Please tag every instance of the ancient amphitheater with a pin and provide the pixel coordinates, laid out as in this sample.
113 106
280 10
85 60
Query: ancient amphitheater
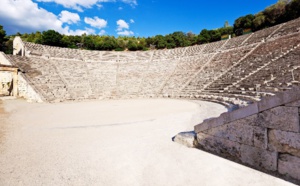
255 76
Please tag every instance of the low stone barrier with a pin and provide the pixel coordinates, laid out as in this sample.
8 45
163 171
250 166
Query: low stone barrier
264 135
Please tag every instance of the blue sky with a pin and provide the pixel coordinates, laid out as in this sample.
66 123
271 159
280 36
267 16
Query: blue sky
122 17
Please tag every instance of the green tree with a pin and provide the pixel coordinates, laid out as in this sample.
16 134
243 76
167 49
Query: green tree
88 42
8 45
24 36
38 38
243 23
192 38
75 41
132 45
121 44
30 37
66 42
259 22
108 43
170 42
204 36
150 41
52 38
292 10
160 42
214 35
225 30
142 44
180 39
275 14
2 37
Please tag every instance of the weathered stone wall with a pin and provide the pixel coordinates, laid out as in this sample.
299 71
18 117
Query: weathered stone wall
18 46
264 135
5 82
26 91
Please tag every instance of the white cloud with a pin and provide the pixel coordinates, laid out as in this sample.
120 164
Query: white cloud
80 32
96 22
102 32
25 16
90 31
122 25
80 4
125 33
123 28
99 6
133 3
120 8
68 17
106 1
73 4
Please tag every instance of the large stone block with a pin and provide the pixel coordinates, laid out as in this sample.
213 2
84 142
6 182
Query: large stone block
259 158
203 126
260 137
293 104
291 95
271 102
186 138
244 112
250 120
239 131
281 118
289 165
210 123
222 147
285 142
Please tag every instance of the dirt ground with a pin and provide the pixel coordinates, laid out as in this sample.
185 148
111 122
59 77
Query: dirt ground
3 116
119 142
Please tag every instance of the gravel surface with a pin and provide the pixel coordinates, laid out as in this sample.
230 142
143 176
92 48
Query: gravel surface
119 142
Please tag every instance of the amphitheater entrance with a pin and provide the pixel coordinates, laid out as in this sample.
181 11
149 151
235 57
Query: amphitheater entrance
8 80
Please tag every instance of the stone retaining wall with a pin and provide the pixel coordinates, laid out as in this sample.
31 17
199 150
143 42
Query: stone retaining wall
5 82
26 91
264 135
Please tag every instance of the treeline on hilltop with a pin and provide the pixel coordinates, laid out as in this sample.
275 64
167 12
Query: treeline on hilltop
282 11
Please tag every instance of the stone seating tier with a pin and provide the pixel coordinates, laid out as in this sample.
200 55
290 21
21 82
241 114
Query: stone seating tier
266 52
218 65
236 41
241 63
288 28
262 34
277 73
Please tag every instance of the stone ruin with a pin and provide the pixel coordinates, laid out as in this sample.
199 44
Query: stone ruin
8 80
258 73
